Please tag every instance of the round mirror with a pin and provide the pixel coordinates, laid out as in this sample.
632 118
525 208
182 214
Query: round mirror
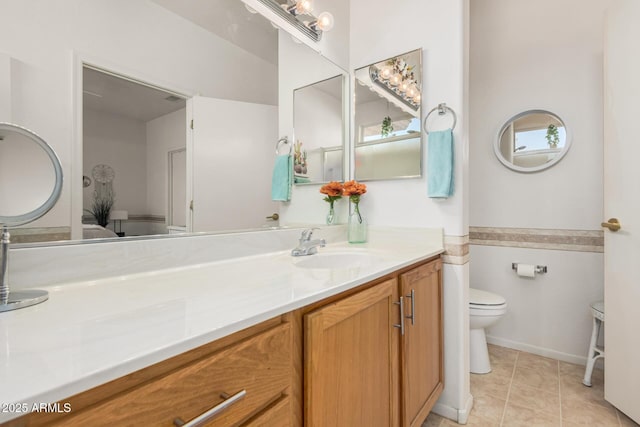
30 176
30 184
532 141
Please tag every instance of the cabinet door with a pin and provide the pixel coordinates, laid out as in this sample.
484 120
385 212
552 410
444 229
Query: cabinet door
351 360
421 355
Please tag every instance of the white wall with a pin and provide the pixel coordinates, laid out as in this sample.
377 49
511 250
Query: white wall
5 88
120 143
163 134
546 55
136 36
318 124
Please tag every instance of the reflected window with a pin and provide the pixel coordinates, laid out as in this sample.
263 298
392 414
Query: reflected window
400 127
532 141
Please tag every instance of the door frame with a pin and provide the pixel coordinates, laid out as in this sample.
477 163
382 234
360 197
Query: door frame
170 154
80 60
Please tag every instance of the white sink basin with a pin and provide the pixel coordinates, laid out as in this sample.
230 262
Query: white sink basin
337 260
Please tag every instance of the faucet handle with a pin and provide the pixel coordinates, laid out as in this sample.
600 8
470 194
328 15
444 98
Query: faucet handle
307 233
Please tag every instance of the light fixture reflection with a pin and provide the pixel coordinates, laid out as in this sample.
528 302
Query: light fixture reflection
397 77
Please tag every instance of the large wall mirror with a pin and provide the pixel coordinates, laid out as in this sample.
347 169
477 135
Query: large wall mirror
202 97
388 136
532 141
319 131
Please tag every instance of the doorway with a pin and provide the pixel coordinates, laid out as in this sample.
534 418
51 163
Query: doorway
129 128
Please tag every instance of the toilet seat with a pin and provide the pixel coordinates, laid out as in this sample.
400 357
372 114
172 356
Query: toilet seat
479 299
483 303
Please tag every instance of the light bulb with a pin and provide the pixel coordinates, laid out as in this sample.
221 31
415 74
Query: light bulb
404 86
395 79
412 91
325 21
385 73
303 7
417 98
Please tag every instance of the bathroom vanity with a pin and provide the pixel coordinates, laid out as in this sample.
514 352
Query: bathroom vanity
291 343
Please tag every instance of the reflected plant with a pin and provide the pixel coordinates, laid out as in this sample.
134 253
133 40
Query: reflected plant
387 127
101 207
552 136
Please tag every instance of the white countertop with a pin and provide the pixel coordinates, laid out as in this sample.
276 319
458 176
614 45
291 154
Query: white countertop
91 332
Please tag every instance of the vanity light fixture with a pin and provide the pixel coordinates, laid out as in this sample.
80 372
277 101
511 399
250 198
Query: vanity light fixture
295 12
398 79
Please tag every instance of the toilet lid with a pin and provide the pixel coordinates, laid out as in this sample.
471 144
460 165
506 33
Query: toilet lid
478 297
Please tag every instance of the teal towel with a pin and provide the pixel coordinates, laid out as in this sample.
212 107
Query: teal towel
282 178
440 164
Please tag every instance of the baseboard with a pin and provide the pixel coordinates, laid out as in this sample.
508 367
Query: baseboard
458 415
540 351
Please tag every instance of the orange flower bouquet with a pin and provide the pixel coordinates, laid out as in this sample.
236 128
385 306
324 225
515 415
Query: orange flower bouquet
357 226
333 191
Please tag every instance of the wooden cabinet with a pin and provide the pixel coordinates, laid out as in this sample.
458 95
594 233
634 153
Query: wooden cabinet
422 342
365 365
351 360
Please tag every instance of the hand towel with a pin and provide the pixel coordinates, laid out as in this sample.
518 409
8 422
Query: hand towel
440 164
282 178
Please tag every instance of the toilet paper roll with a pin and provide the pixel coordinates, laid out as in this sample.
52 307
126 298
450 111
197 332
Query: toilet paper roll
526 270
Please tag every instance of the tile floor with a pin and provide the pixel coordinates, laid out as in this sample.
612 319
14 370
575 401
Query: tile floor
528 390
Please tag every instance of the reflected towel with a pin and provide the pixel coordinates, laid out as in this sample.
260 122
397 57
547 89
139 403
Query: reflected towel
440 164
282 178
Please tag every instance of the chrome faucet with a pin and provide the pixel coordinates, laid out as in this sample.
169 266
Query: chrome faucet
306 246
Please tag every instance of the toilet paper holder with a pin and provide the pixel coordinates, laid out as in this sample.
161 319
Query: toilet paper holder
539 268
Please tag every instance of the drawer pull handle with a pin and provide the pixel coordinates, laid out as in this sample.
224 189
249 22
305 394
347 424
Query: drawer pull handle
402 316
412 295
206 416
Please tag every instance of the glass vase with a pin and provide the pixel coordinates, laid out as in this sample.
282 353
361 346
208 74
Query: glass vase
331 216
357 231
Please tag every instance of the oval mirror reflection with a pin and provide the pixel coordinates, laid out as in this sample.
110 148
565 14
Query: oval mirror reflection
532 141
28 176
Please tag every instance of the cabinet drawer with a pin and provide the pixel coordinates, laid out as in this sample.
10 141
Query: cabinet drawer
277 415
261 365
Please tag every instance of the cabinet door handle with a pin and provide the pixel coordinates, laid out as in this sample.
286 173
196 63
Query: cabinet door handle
412 295
206 416
401 325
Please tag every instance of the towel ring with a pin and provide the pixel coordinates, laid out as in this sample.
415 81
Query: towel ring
282 140
442 110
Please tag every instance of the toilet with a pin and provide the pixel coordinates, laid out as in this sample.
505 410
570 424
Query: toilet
485 309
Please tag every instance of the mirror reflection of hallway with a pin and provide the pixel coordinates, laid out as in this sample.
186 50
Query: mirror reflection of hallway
129 129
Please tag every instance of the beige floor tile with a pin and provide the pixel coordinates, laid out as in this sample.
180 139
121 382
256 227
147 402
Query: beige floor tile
538 363
571 370
536 399
502 356
519 416
487 411
581 413
626 421
544 380
501 370
572 389
490 385
435 420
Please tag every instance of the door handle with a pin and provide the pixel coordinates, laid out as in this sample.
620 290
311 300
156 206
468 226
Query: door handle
274 217
613 224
